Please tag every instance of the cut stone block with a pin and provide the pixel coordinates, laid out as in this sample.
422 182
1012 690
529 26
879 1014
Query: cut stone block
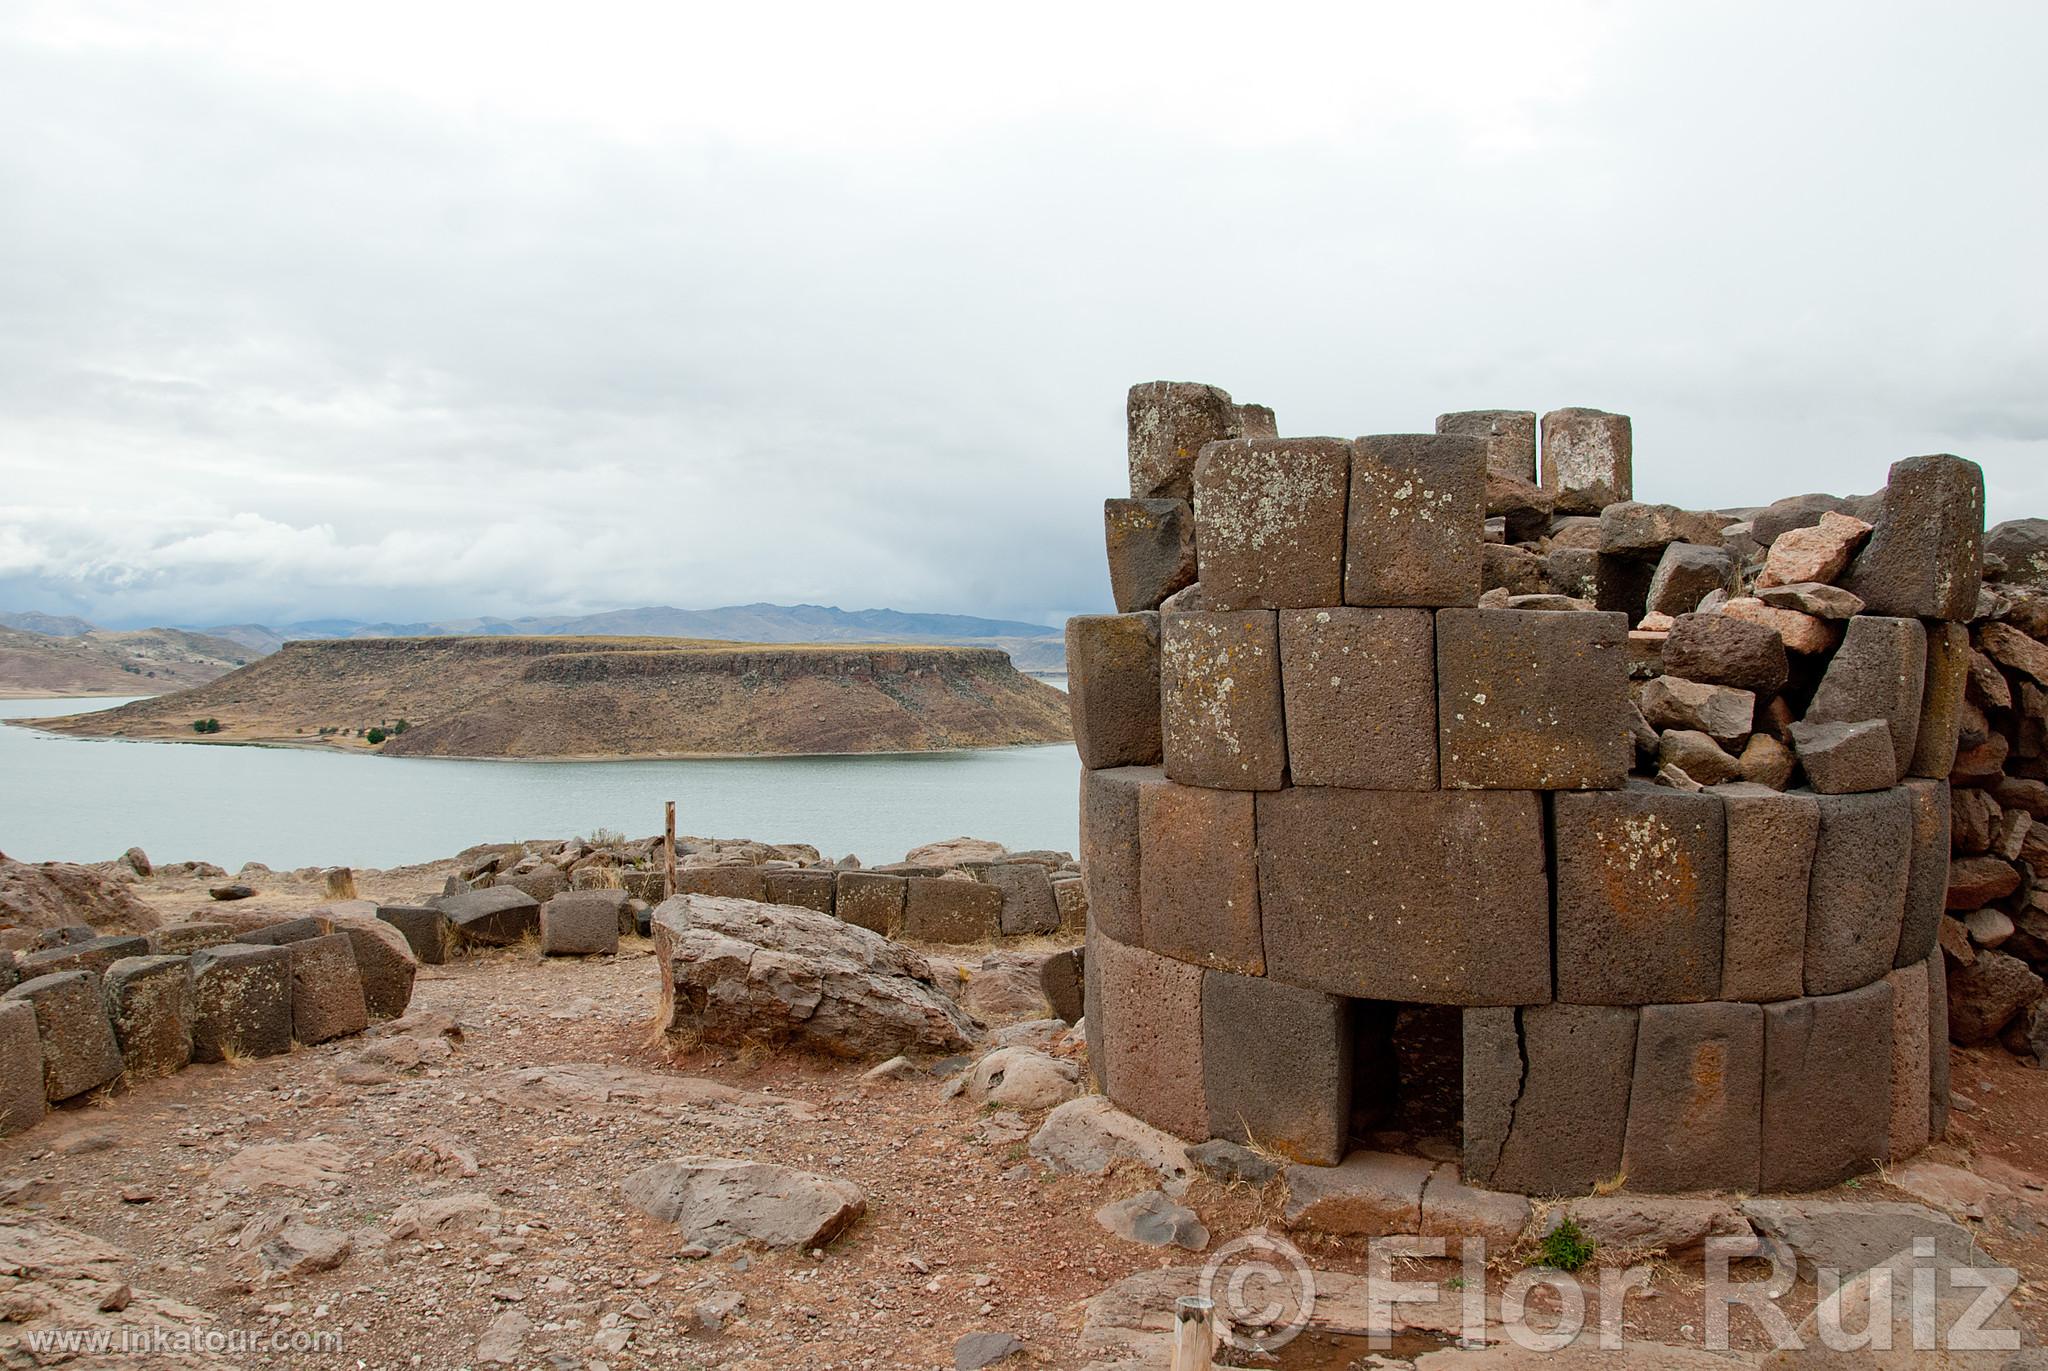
1169 423
22 1099
1727 651
1925 557
1846 759
498 917
1827 1088
244 997
1418 502
94 955
800 889
581 923
937 910
151 1006
1459 1213
1063 979
387 966
731 882
1588 459
1257 421
79 1052
1270 519
1510 436
175 940
1151 550
1546 1096
1695 1111
1109 848
1642 532
1370 1195
1420 898
1198 884
1941 703
1276 1063
327 989
1532 701
1686 575
1937 1047
1927 870
874 901
1640 899
1029 909
1910 1083
1360 697
1151 1036
1113 688
277 934
1072 898
1879 672
1771 842
1220 708
1858 894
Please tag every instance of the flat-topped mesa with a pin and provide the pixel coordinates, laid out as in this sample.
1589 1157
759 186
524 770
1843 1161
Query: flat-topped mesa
1602 839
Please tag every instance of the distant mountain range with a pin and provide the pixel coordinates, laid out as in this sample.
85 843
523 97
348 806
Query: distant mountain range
95 661
1032 647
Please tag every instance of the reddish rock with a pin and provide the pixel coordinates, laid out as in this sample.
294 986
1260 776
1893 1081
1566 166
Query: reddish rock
1113 688
1973 820
1532 701
1726 651
1417 503
1812 598
1360 697
1198 887
2010 647
1696 1107
1151 546
1767 762
1271 514
1819 553
1640 906
1983 765
1801 633
1974 882
1220 707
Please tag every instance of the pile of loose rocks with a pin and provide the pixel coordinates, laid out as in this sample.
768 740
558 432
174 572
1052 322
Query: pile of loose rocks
1436 800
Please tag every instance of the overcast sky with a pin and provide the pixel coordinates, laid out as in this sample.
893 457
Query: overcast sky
412 310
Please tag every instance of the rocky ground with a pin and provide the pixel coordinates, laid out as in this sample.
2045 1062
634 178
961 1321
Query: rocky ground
446 1192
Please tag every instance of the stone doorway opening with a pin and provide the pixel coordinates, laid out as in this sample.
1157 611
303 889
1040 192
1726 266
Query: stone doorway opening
1407 1077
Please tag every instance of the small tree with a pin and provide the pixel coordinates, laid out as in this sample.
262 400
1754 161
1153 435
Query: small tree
400 727
206 725
376 736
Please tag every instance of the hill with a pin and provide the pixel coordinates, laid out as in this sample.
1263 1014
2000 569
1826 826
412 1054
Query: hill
605 697
101 661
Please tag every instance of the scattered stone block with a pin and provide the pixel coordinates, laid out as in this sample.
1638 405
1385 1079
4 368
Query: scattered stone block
1640 898
1878 673
1113 688
1767 762
938 910
1369 1195
1420 898
1360 697
278 933
94 955
1827 1088
79 1052
1276 1063
1220 700
1643 532
1510 436
1985 993
244 998
425 930
151 1006
1417 503
1813 599
1151 550
581 923
1926 871
1942 701
1858 893
1151 1008
1072 898
729 882
1686 574
1910 1079
542 880
1800 633
1727 651
1924 559
874 901
175 940
1588 459
720 1203
1546 1096
1814 554
22 1097
1511 570
1198 884
1063 979
1723 713
386 965
1153 1220
1169 423
1029 909
497 917
1698 756
327 989
804 889
1696 1108
1771 842
1846 759
1271 514
1110 850
1532 701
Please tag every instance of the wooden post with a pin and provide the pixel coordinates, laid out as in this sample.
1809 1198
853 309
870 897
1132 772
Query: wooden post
1194 1334
668 856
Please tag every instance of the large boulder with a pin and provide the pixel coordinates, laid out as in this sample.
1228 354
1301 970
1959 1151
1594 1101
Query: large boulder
58 894
720 1203
737 971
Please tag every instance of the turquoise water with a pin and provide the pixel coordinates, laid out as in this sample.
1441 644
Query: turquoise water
79 799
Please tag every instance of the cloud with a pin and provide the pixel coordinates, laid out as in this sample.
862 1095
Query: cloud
398 313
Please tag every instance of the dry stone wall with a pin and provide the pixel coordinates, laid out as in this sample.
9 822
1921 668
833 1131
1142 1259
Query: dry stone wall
1436 790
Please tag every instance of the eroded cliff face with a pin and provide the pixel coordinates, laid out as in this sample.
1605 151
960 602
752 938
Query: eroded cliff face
607 697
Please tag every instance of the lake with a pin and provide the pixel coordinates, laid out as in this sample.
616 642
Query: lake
80 799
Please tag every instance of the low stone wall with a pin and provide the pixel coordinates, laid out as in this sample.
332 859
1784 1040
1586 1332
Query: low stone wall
1377 846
